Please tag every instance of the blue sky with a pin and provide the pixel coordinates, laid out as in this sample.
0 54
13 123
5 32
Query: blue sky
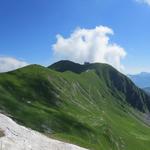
28 28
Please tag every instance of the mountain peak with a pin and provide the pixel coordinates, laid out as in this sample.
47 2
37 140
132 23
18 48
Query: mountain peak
67 65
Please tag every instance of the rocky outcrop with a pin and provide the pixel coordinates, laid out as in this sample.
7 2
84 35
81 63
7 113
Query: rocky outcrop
16 137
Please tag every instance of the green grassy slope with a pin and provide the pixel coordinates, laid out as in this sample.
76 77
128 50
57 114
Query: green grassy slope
92 105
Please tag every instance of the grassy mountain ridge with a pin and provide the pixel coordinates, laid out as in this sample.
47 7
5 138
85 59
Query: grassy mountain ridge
89 106
114 80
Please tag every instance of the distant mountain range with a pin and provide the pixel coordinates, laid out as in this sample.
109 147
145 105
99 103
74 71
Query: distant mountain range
147 90
142 80
91 105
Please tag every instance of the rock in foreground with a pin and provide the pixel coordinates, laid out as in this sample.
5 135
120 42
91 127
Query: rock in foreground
16 137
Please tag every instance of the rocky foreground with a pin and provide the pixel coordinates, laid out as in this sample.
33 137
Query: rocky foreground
16 137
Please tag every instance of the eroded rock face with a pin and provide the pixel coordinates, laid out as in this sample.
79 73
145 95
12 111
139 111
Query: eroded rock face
16 137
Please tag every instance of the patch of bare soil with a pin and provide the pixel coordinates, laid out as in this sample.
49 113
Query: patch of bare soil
1 133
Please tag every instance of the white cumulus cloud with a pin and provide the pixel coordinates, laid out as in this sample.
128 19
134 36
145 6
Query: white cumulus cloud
144 1
10 63
91 45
